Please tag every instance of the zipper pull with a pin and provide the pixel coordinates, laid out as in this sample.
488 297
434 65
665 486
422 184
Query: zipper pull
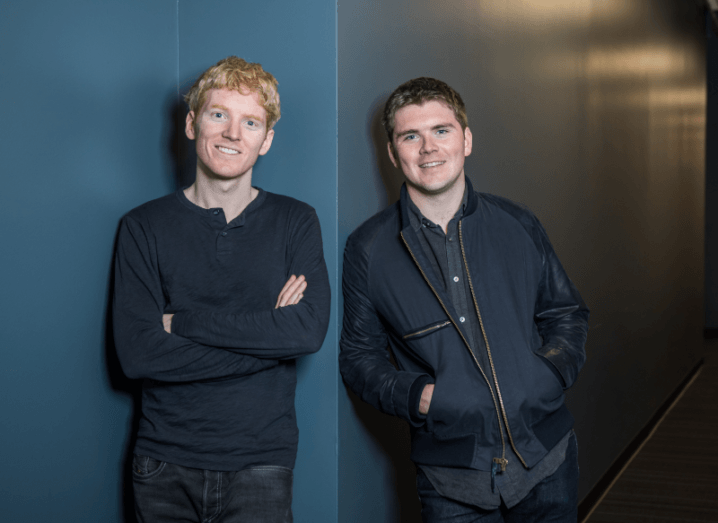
501 462
497 463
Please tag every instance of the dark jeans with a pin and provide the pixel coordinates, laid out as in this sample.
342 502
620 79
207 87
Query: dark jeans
553 500
170 493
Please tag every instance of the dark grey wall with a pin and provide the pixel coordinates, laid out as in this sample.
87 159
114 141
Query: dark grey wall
591 112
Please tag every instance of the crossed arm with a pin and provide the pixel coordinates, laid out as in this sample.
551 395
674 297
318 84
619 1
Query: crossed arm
291 294
146 350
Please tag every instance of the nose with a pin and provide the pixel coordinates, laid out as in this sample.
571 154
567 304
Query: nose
427 145
233 131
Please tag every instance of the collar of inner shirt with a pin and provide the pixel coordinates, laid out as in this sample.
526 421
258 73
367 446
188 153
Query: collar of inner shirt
416 219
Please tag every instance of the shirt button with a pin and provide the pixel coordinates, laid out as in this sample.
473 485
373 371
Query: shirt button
456 278
224 233
462 319
216 211
451 238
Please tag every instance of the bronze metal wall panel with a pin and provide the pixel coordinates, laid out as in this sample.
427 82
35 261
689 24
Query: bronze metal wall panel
592 113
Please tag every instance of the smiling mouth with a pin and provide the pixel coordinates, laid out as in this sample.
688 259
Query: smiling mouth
431 164
226 150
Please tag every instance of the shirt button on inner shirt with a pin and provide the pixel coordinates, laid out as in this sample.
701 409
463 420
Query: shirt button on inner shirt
216 211
462 319
224 233
456 278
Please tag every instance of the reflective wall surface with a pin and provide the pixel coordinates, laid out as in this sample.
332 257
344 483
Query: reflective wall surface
592 113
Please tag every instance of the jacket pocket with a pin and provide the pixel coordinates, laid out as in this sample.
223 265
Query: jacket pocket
553 383
426 330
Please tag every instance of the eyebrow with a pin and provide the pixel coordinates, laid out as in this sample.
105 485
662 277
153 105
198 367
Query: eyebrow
434 128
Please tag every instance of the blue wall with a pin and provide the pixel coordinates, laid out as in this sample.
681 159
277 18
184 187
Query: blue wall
85 88
91 96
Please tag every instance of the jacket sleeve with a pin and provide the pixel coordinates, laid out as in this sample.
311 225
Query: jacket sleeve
560 314
364 359
283 333
144 349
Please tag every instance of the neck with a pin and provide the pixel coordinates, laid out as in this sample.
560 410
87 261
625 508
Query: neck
439 208
232 196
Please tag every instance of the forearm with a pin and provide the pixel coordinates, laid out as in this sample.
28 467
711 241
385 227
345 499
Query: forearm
147 351
281 333
364 357
562 319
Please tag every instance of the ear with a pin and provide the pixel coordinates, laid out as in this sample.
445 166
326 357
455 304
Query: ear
267 142
189 125
468 141
390 147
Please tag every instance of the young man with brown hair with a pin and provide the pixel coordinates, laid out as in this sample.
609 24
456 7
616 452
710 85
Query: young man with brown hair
486 328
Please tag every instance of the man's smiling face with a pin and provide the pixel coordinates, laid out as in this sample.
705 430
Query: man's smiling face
429 146
231 133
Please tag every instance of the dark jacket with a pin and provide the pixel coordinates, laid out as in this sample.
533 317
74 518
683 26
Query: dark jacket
528 309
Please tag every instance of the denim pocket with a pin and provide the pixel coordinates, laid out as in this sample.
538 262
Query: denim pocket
145 467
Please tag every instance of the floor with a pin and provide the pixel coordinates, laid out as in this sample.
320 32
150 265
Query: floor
674 476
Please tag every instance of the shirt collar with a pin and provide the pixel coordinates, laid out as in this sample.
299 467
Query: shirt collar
416 219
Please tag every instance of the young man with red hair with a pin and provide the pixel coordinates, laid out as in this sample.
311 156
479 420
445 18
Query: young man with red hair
219 287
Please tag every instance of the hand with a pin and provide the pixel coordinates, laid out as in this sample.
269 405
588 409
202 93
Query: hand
167 322
426 396
292 292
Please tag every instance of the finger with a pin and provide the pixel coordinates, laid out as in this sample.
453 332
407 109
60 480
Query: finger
289 283
288 294
297 286
298 295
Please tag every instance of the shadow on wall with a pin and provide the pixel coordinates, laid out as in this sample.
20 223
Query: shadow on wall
391 435
182 148
122 385
390 175
183 160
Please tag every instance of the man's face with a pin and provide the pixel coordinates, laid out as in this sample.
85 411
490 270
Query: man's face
231 133
429 146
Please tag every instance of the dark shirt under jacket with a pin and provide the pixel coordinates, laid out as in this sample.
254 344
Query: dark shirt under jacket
468 485
218 393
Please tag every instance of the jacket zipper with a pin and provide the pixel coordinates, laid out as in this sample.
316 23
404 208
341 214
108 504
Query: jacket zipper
488 351
423 331
493 396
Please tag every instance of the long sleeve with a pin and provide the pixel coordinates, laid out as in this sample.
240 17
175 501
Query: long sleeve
283 333
145 350
560 315
364 359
